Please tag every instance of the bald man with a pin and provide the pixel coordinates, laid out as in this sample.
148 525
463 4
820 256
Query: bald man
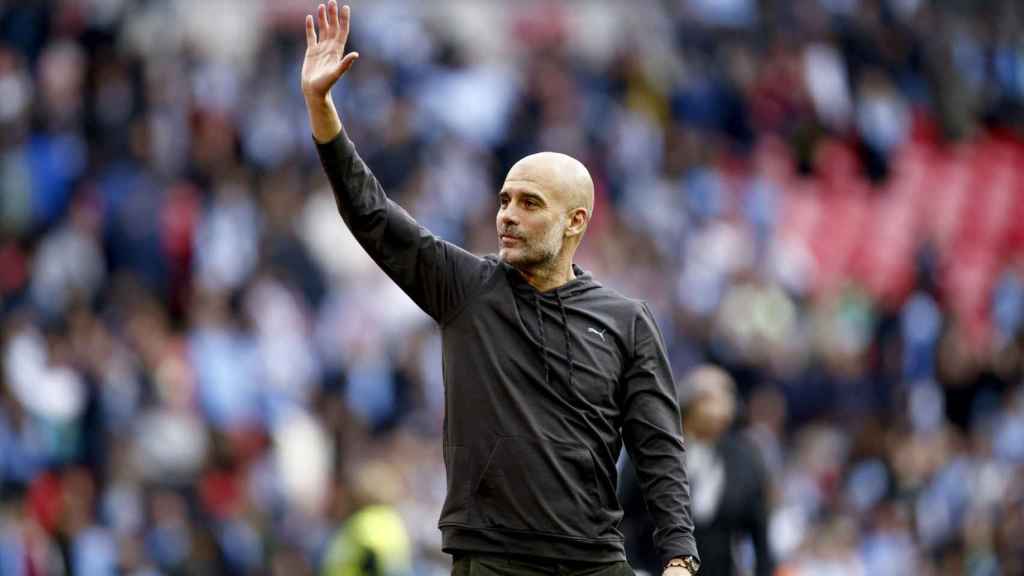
547 373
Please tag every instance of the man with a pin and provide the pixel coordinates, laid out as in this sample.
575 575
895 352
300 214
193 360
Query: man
728 480
546 371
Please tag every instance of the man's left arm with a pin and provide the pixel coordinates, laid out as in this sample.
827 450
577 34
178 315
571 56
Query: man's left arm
652 433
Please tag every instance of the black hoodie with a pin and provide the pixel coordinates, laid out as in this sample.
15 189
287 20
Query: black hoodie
541 390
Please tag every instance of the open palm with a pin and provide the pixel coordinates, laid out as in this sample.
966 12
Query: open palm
325 60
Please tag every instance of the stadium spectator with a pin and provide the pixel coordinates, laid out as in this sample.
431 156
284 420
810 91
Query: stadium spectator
860 279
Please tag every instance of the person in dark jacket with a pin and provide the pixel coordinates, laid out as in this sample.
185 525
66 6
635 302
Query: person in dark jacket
729 482
547 372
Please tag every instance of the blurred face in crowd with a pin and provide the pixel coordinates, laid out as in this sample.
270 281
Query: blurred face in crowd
544 207
712 405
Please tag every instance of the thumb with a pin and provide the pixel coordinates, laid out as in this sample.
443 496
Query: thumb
347 62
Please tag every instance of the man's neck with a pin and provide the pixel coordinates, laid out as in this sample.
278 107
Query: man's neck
548 278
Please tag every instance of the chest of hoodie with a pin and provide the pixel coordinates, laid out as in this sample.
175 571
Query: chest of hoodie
517 357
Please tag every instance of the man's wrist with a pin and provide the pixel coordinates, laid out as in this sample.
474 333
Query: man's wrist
323 117
314 99
691 564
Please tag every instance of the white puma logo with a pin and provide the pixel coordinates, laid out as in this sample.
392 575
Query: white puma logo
598 332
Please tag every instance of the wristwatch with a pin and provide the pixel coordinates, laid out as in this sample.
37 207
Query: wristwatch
688 562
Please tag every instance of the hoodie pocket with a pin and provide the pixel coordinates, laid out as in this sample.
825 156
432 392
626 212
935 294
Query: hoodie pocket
456 504
539 486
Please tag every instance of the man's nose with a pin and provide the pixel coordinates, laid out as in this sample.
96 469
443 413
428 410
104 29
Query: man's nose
508 216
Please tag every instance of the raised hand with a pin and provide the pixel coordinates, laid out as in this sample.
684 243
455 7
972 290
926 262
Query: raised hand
325 60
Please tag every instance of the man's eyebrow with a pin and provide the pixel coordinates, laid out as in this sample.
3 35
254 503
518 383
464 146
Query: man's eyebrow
522 192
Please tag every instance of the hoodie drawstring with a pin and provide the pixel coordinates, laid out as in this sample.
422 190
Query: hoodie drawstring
565 330
544 341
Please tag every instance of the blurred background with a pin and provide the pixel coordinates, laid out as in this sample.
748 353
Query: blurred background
203 374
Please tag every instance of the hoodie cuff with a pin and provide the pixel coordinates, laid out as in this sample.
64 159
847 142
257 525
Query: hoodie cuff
677 548
340 140
336 157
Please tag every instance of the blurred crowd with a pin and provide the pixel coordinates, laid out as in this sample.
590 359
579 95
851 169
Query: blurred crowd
202 373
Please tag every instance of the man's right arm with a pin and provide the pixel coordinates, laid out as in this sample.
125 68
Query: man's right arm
437 275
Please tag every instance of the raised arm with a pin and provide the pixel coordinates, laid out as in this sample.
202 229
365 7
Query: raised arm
437 275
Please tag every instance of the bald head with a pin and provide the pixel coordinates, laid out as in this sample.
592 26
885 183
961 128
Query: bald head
563 178
545 206
708 380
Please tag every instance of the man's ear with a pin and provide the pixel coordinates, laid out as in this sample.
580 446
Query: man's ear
577 222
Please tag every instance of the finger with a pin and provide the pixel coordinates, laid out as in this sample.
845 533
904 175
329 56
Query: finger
321 20
310 32
332 10
346 16
347 62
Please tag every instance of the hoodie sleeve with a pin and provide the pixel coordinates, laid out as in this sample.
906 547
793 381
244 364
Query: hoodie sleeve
436 274
652 433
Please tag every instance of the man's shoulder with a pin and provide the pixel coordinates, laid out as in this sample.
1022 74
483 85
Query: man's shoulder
615 303
633 315
618 300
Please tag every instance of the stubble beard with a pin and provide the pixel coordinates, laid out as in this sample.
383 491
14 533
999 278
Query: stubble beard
532 255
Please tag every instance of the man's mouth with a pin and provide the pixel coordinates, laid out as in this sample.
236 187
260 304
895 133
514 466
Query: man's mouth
509 239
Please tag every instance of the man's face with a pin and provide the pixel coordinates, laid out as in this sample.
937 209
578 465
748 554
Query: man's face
712 413
530 224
